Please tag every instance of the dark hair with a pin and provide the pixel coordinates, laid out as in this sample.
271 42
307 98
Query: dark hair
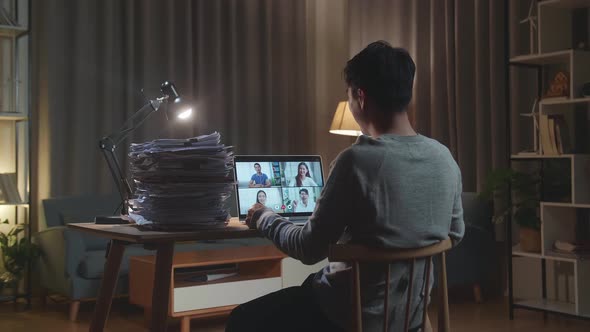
299 183
384 73
307 192
260 191
257 164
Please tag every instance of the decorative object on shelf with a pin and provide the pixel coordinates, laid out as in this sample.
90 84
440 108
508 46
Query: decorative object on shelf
17 255
175 106
343 122
6 18
531 19
524 204
586 89
558 87
571 247
8 189
534 114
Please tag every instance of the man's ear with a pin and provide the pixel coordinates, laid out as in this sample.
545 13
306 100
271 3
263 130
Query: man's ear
361 99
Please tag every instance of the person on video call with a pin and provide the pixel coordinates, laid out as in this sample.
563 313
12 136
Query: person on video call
261 197
302 179
304 204
259 179
393 188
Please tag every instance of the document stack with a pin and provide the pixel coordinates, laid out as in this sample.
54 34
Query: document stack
181 184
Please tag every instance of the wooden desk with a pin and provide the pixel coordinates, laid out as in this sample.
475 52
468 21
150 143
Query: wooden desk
163 242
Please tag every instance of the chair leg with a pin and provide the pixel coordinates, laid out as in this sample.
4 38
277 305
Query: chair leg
43 297
74 308
444 324
477 293
185 324
428 325
147 316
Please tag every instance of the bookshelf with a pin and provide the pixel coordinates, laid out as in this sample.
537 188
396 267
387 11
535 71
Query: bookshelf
564 278
15 125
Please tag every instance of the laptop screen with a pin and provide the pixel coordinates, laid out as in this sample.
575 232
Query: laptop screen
289 185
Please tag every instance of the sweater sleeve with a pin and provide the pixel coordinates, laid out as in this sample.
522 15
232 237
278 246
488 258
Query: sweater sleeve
333 212
457 223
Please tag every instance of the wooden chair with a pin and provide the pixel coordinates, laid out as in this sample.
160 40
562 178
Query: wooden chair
357 254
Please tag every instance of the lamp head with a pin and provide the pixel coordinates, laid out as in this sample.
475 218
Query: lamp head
177 106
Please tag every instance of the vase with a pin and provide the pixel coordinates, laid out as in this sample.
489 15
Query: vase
530 240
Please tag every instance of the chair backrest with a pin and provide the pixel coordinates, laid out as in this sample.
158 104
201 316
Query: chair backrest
82 208
357 254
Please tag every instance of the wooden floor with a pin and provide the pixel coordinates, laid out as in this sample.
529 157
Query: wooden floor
466 316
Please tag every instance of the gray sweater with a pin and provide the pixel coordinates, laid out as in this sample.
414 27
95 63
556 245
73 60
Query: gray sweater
388 192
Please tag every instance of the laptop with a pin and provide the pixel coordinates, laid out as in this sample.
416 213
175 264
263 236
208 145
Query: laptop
289 185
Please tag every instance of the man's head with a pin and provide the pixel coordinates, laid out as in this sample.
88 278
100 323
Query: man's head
257 167
379 80
304 195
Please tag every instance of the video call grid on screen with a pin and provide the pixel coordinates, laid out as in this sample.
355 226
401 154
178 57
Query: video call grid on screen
276 185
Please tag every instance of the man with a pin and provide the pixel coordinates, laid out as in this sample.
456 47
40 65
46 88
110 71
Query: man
304 205
259 179
393 188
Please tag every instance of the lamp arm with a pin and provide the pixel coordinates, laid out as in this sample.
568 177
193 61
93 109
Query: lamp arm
133 122
109 143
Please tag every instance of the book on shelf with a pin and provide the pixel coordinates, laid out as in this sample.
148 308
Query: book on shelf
562 135
554 135
205 273
544 136
552 138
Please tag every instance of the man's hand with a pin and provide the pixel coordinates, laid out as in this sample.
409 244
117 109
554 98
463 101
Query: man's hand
249 220
294 204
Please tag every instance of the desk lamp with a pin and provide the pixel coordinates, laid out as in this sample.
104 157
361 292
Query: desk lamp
176 107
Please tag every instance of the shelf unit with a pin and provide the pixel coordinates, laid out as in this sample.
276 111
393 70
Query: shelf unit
14 123
569 292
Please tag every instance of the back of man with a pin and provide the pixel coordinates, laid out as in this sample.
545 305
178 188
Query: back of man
407 195
394 188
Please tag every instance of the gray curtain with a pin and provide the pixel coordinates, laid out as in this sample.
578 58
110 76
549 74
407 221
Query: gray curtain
265 73
241 61
458 47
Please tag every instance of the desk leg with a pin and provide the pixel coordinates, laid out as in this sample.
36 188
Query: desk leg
107 286
161 294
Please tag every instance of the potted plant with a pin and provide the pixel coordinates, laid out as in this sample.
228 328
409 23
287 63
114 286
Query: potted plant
17 254
523 205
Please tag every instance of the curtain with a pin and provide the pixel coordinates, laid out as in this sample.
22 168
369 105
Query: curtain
242 62
459 96
266 74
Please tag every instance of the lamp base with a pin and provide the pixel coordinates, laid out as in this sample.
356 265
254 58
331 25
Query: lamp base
110 220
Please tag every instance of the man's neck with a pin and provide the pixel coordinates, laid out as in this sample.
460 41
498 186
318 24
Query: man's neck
399 124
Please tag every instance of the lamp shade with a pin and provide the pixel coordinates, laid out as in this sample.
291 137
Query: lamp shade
178 107
343 122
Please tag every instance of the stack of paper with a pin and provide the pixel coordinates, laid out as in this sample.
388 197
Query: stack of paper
182 184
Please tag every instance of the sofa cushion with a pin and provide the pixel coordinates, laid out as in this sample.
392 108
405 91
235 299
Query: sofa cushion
92 265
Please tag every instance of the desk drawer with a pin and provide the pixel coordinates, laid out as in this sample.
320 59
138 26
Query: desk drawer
222 294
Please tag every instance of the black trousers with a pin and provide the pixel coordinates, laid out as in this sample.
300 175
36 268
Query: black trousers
289 309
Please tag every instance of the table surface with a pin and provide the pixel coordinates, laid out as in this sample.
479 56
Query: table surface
132 233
